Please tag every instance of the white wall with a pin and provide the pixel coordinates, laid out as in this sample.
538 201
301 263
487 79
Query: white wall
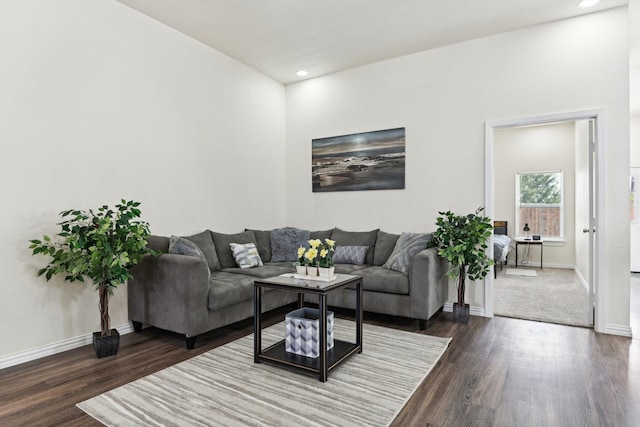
536 149
443 98
98 103
634 157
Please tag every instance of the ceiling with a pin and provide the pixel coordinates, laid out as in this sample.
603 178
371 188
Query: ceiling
280 37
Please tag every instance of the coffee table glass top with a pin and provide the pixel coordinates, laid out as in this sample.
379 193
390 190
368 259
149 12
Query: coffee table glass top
289 280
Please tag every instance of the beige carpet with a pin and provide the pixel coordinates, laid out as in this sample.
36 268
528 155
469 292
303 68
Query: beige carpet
554 295
223 387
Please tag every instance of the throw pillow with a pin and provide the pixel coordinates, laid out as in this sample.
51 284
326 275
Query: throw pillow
407 246
350 254
222 241
182 246
246 255
285 243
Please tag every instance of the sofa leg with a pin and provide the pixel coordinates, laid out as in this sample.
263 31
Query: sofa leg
423 324
191 342
137 326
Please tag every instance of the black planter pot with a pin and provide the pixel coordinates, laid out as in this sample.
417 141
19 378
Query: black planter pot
106 346
460 312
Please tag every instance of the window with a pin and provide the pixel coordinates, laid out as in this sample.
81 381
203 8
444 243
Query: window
539 204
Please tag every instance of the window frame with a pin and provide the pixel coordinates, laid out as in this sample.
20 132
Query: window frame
519 232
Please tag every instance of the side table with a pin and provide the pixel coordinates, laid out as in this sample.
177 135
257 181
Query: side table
529 243
327 359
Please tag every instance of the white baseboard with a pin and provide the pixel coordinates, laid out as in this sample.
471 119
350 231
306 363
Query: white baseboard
473 310
55 348
621 330
584 282
535 264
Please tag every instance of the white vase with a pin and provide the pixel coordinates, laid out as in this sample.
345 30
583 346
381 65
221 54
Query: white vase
301 269
312 271
326 271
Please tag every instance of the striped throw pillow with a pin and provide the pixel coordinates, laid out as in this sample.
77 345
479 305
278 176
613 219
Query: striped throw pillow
246 255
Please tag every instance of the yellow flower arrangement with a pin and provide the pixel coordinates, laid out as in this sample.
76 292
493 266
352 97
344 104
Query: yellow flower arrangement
318 253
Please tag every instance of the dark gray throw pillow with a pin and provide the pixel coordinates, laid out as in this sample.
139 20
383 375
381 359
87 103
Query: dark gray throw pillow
350 254
285 243
407 246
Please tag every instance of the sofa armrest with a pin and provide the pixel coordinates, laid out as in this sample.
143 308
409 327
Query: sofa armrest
427 283
170 291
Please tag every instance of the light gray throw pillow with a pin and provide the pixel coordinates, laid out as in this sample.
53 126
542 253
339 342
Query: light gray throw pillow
350 254
407 246
182 246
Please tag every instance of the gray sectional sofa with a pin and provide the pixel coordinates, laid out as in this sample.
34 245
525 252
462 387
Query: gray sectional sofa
191 295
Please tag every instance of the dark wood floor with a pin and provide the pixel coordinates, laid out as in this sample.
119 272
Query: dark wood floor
496 372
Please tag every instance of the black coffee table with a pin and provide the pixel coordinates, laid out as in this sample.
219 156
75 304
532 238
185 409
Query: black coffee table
328 359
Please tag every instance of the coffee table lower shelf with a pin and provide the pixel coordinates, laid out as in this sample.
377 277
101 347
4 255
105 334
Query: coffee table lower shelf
276 354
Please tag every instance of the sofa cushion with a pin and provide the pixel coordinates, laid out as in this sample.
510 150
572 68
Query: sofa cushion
265 271
222 241
246 255
350 254
349 268
263 238
229 288
407 246
356 238
158 243
380 279
321 235
385 242
285 243
205 243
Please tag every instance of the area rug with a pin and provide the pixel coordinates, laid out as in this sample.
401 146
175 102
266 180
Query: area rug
223 387
521 272
556 295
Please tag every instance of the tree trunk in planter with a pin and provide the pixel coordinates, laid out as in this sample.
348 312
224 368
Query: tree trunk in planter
103 306
107 341
460 309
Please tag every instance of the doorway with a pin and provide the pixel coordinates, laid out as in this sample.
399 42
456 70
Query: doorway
594 119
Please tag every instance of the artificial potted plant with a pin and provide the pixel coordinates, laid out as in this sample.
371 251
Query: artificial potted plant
101 245
462 240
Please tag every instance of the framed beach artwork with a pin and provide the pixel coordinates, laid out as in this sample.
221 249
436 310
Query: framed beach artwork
360 161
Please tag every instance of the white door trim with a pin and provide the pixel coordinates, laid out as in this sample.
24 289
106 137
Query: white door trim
599 116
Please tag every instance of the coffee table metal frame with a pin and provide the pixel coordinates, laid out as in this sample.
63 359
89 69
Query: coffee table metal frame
328 359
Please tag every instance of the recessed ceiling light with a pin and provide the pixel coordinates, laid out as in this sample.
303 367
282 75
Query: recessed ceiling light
302 73
588 3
